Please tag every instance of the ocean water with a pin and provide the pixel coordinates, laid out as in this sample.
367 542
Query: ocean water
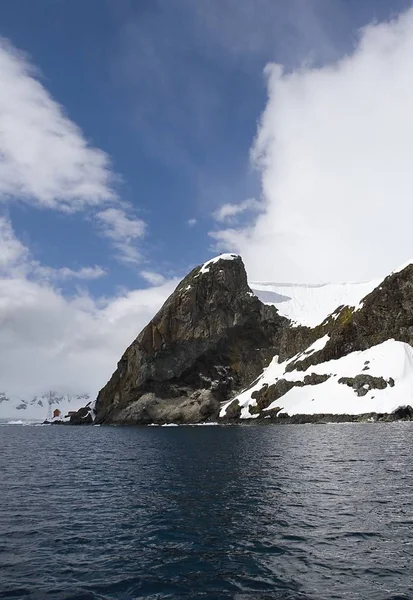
244 512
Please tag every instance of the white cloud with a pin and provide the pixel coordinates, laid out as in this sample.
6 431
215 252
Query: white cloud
153 278
191 222
335 147
44 157
119 226
16 261
229 212
12 251
71 345
46 161
65 273
123 231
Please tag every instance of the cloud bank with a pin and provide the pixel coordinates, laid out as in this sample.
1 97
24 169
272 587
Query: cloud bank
70 344
45 158
334 147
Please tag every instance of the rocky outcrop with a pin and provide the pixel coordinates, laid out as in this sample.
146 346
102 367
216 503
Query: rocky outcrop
84 416
211 338
386 313
270 393
362 383
403 413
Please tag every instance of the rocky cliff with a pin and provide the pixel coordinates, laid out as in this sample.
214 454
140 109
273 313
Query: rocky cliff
215 351
211 338
358 361
386 313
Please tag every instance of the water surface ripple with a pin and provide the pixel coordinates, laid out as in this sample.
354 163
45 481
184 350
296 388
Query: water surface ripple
306 512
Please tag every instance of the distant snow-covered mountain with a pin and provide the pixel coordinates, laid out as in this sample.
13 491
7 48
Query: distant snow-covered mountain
39 408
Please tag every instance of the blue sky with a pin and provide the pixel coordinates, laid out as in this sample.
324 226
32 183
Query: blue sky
140 138
172 91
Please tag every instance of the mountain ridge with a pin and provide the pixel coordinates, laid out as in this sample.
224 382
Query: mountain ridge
239 371
224 348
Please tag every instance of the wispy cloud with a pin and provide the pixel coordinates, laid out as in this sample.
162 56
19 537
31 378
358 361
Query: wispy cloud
65 273
16 260
153 278
44 157
123 232
191 222
12 251
46 161
229 212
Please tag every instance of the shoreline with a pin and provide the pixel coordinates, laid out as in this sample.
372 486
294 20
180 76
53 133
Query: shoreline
403 413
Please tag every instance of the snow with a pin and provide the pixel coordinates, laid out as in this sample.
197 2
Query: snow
389 359
310 304
206 265
318 345
402 267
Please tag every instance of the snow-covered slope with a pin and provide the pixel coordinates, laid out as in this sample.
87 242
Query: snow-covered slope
391 360
311 304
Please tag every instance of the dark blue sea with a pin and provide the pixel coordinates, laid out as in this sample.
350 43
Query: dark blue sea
244 512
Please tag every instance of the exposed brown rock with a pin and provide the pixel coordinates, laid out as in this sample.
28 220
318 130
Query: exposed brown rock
212 335
268 394
386 313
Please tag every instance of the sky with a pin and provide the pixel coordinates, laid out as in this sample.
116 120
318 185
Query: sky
138 139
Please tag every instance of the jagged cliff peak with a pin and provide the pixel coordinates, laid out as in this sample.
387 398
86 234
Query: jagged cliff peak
209 339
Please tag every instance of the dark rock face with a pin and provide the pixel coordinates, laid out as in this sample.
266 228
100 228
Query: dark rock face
268 394
362 384
404 413
233 410
83 416
210 339
386 313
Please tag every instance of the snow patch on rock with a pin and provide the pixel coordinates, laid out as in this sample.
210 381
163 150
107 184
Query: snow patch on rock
391 360
208 263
